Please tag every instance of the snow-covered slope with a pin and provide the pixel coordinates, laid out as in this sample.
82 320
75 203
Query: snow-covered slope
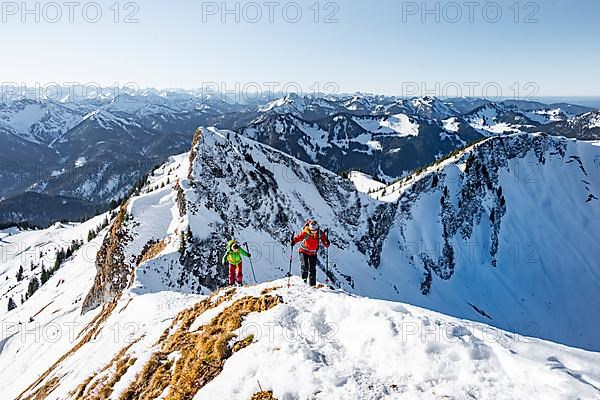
445 239
36 250
36 121
321 344
515 117
431 107
364 183
477 236
391 144
295 342
495 119
488 231
452 239
49 346
585 126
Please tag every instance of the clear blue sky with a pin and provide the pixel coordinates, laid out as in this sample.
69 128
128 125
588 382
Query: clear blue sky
378 46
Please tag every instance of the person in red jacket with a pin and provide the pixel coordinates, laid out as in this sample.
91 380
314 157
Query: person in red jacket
310 239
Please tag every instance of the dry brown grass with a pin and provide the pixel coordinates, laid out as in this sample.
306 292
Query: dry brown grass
263 396
126 305
202 354
119 219
105 388
100 386
80 389
241 344
156 374
271 289
93 328
151 250
45 390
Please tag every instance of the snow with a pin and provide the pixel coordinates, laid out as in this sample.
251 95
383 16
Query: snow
545 116
322 344
485 122
279 127
37 122
319 139
402 124
364 139
535 261
395 125
398 278
318 344
374 145
109 121
22 248
54 308
451 124
293 104
363 182
28 348
357 103
22 120
80 162
326 344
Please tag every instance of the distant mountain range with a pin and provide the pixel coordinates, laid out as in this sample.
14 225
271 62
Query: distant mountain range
93 149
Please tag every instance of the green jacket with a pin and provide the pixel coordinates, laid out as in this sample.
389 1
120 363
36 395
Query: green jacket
234 257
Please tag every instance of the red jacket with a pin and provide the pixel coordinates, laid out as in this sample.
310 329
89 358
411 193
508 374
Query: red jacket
310 241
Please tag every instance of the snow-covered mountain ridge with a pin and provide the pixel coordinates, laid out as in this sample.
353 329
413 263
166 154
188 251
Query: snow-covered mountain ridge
451 239
121 137
444 239
282 343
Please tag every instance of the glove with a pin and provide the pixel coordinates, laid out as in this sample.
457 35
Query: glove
249 255
327 242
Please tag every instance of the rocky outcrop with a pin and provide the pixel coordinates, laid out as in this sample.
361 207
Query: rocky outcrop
181 203
193 153
479 198
379 226
113 274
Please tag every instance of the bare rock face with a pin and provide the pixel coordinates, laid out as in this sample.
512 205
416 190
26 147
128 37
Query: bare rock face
113 274
181 204
193 153
479 185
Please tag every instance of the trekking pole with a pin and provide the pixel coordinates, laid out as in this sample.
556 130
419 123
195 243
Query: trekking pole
251 266
327 257
289 274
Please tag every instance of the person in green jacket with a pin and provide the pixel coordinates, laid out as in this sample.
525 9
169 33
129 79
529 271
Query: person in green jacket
233 256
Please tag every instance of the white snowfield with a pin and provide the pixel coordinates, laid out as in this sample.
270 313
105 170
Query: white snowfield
394 125
324 344
49 325
317 344
37 122
364 183
39 248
